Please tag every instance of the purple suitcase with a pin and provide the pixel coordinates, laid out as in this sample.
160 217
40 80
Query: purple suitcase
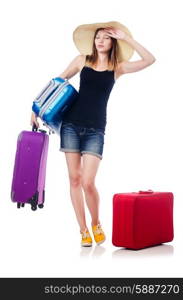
28 184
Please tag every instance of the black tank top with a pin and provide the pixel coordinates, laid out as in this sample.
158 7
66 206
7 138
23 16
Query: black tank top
89 110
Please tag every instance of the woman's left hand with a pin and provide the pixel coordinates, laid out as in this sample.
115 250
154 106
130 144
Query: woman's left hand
115 33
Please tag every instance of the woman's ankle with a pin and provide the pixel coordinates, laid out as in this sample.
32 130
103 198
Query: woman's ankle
83 229
94 223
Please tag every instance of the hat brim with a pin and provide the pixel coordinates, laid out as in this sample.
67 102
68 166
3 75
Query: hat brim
83 37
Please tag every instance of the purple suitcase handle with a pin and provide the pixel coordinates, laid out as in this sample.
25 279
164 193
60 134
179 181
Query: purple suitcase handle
34 127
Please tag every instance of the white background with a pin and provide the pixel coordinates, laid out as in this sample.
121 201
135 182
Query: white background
143 142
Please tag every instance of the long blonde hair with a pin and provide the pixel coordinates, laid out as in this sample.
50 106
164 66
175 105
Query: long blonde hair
112 57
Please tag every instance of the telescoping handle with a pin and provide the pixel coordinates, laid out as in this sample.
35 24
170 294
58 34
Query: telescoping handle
146 192
34 128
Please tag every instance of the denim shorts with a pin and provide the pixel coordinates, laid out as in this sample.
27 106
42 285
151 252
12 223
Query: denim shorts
76 138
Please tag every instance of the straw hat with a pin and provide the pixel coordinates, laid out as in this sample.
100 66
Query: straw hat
83 37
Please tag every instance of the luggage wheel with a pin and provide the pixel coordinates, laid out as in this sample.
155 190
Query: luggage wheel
23 204
18 205
33 207
40 205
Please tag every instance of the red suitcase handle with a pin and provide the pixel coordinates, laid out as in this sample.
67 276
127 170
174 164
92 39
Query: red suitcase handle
146 192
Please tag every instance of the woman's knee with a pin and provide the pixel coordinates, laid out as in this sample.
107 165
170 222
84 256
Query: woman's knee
88 184
75 179
74 168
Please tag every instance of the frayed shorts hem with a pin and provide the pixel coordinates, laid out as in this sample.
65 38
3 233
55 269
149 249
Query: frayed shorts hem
81 152
68 150
93 153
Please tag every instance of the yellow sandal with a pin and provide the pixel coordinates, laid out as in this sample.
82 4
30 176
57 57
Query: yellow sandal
86 240
98 233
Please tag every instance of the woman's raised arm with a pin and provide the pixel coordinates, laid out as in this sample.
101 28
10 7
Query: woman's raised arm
73 68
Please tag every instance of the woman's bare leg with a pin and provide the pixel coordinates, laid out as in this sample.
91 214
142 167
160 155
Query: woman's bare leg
90 167
75 170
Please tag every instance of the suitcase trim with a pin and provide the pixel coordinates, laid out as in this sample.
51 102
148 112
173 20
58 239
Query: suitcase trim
58 89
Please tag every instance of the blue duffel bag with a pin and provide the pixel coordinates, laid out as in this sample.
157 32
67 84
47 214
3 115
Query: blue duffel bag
53 101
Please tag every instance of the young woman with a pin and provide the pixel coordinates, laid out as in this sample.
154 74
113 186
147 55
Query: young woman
106 49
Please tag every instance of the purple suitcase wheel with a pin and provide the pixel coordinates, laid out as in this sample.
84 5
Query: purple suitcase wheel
33 207
41 205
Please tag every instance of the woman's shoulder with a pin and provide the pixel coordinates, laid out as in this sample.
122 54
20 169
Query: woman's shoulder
84 61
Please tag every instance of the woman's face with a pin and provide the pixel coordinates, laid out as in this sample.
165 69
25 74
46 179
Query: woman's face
103 42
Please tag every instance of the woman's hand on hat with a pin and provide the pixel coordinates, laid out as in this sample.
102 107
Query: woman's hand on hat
115 33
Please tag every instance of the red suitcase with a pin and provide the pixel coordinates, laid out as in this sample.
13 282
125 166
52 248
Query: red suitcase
142 219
